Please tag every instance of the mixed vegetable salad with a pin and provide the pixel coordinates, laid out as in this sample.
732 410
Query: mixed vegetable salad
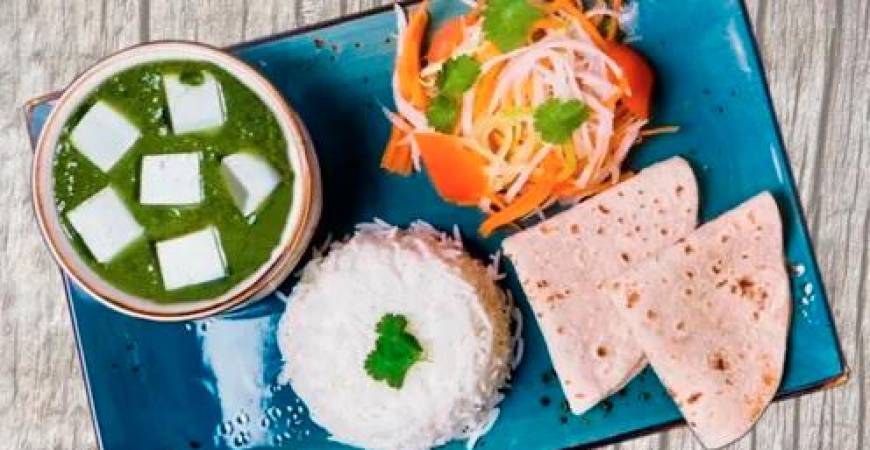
518 104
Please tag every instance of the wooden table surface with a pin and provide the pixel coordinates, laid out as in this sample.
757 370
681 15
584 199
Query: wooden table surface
817 54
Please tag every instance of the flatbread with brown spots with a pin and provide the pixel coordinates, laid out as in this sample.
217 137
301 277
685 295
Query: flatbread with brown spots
712 315
561 261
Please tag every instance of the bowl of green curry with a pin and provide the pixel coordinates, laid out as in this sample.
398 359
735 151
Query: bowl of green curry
172 181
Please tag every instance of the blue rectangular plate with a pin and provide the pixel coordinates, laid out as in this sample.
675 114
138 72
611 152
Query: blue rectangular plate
212 383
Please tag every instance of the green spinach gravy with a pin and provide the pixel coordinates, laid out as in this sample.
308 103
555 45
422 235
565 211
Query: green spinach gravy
250 126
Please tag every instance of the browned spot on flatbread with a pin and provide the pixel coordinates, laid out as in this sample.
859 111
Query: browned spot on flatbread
745 285
631 299
560 330
694 398
637 228
600 230
542 284
768 378
756 406
679 189
721 283
690 274
620 220
680 326
688 249
546 229
688 292
601 351
718 362
664 231
755 316
575 229
651 315
625 257
604 210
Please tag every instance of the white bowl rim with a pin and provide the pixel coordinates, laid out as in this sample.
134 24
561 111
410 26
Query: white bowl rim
299 151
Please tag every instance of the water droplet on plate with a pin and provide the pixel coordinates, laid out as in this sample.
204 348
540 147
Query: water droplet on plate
226 428
242 418
273 412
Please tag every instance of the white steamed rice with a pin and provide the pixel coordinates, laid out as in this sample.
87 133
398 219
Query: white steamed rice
454 309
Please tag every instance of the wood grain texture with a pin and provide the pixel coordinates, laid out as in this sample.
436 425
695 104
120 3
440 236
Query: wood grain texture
817 56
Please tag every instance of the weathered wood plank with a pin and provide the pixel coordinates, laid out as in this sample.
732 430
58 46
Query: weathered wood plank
42 398
839 220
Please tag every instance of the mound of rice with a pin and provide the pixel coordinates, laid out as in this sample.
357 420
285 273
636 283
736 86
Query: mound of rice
455 310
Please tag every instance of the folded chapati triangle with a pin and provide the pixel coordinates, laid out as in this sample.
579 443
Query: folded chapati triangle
712 315
561 262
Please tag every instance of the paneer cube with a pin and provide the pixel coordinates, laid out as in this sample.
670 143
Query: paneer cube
194 107
250 180
192 259
171 179
104 136
105 224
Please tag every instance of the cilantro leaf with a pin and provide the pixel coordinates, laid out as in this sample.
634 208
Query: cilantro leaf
457 75
395 351
507 22
557 119
443 113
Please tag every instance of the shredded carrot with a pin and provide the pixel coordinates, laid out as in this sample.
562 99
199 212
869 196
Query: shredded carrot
546 23
614 24
667 129
567 189
455 171
570 7
485 87
408 62
534 196
487 51
497 200
397 157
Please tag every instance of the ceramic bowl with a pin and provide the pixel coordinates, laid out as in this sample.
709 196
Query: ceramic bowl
302 218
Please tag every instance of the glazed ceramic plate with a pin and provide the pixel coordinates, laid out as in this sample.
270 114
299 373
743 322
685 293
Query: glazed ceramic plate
212 383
